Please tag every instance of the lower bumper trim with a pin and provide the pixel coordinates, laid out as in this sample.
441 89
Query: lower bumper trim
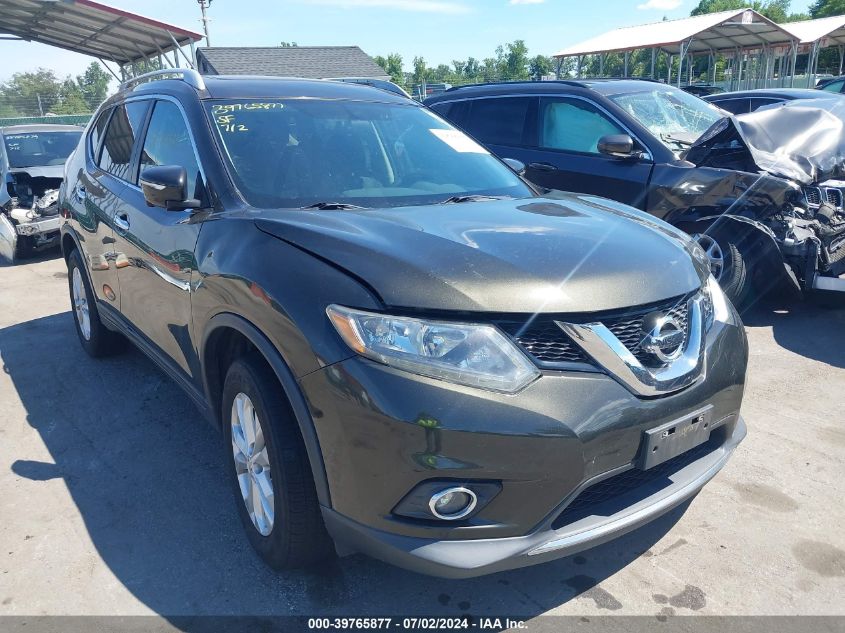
468 558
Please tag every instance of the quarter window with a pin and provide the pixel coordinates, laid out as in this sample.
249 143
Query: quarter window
116 156
574 126
97 131
499 121
168 142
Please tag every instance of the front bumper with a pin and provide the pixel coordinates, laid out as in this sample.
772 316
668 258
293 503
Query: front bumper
382 432
466 559
40 227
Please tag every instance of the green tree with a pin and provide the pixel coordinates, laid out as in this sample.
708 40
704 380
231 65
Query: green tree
513 60
392 65
776 10
540 66
827 8
420 73
33 93
288 44
93 85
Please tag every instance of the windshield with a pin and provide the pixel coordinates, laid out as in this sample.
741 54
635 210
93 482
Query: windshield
300 152
39 149
673 116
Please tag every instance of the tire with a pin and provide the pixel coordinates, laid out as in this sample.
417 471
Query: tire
296 535
96 339
25 248
733 274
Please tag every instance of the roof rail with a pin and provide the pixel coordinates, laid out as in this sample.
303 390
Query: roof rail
188 75
566 82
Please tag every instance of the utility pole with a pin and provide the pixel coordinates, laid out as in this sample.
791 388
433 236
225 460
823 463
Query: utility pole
205 4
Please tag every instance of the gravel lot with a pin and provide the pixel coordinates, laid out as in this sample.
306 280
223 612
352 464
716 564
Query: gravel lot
113 499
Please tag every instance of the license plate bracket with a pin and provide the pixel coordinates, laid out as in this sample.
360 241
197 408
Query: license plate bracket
673 438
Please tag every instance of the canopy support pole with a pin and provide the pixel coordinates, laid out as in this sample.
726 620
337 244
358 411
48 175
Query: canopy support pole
601 64
578 71
794 64
654 60
669 69
627 57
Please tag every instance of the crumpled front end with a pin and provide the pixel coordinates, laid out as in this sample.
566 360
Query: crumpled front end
29 220
787 175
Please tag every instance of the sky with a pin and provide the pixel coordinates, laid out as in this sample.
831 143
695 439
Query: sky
437 30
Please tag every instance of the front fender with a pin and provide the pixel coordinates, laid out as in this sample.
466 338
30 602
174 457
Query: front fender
758 243
286 380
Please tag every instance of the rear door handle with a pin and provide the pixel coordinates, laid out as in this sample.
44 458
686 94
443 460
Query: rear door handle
122 222
542 166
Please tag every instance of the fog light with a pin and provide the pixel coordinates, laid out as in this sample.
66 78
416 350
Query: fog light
453 503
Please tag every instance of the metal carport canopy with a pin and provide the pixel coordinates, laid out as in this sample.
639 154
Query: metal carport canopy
92 28
832 30
722 31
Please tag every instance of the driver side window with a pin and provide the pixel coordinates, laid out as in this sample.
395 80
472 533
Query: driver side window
573 125
168 142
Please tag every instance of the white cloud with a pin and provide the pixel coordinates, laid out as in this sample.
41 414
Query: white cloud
662 5
527 1
423 6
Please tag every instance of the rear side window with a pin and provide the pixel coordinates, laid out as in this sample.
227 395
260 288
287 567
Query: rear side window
735 106
499 121
834 86
574 125
760 102
123 129
168 142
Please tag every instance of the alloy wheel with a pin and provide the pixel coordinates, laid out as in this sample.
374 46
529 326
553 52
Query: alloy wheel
80 305
714 254
252 464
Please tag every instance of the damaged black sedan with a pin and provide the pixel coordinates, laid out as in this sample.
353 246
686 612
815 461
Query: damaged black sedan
32 159
762 193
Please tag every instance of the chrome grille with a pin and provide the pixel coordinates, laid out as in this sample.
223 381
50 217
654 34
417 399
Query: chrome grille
813 196
834 197
547 344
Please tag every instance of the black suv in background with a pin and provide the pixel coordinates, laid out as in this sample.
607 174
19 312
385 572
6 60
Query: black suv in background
409 353
658 148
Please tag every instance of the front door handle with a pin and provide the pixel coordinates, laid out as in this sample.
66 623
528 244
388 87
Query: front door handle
79 192
542 166
122 222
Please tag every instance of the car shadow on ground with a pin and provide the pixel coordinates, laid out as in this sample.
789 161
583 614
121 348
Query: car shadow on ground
145 471
40 256
804 327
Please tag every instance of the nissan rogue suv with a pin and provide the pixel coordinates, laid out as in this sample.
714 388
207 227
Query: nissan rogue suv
408 351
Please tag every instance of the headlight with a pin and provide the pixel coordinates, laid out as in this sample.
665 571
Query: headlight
463 353
718 302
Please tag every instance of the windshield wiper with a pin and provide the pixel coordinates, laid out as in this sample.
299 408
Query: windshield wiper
675 139
332 206
473 198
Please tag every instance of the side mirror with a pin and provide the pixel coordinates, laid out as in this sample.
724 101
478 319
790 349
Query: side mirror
517 165
165 186
618 146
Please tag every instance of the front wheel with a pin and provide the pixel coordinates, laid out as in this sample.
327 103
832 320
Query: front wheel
728 265
269 469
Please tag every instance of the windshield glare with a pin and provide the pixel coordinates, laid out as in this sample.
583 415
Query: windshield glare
297 152
673 116
40 149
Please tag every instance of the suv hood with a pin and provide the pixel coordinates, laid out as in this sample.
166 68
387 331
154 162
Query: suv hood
801 140
572 253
